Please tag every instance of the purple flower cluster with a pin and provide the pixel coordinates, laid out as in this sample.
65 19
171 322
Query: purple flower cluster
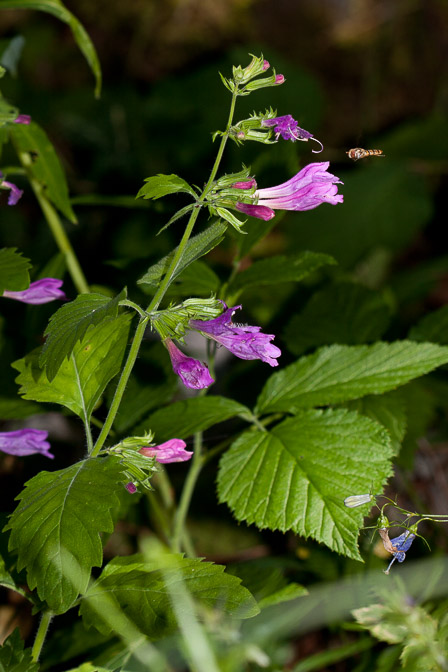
40 291
311 187
289 129
243 341
24 442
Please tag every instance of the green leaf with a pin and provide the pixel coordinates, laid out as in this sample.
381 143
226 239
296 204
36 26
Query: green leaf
433 327
264 577
196 247
279 269
183 418
138 592
14 274
15 408
341 313
45 166
81 380
342 372
198 279
69 324
13 656
297 476
10 56
162 185
57 525
57 9
7 112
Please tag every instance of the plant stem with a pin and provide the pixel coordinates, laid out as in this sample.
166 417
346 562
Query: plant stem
139 333
56 228
41 634
187 492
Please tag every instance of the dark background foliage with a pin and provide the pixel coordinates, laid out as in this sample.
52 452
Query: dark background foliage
357 73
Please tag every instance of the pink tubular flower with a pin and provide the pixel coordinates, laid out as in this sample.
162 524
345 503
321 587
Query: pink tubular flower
40 291
248 184
279 79
14 192
23 119
244 342
193 373
266 65
24 442
258 211
170 451
289 129
311 187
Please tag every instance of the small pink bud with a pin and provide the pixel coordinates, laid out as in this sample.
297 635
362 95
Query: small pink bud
130 487
279 79
266 65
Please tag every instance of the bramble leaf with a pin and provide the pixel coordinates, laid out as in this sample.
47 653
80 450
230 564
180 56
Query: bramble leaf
57 525
45 166
69 324
296 476
340 373
162 185
13 656
135 592
81 380
57 9
14 274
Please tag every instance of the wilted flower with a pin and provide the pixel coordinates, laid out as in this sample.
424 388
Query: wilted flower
311 187
170 451
402 544
193 373
14 194
24 442
289 129
244 342
357 500
40 291
23 119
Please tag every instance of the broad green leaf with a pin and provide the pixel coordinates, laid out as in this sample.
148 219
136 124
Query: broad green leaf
15 408
69 324
433 327
183 418
45 166
132 591
341 313
57 9
290 592
162 185
56 527
279 269
342 372
7 112
14 657
297 476
14 274
388 409
81 380
196 247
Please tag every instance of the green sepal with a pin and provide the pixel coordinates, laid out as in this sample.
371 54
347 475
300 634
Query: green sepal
225 214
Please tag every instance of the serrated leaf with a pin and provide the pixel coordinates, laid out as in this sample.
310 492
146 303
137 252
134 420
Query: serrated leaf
14 274
141 591
433 327
80 380
297 476
280 268
183 418
162 185
13 656
45 166
57 9
180 213
388 409
57 525
196 247
69 324
341 373
343 313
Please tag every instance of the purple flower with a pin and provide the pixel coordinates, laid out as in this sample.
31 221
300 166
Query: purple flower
131 488
243 341
23 119
248 184
258 211
289 129
266 65
193 373
15 193
402 544
24 442
311 187
279 79
170 451
40 291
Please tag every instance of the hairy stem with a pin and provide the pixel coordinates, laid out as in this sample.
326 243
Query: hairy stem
41 635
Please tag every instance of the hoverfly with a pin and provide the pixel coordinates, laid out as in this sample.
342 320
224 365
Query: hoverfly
358 153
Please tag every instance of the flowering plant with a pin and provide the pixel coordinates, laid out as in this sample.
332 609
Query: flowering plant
141 380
